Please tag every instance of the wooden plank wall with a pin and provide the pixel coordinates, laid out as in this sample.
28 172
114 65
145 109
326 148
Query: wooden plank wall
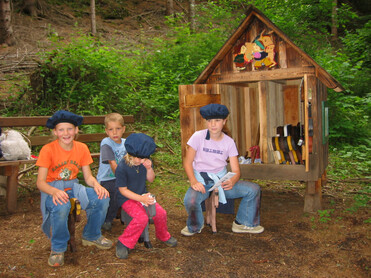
230 98
291 104
263 119
275 115
252 120
243 121
191 98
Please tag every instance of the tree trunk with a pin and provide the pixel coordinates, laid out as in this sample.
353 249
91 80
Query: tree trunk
30 7
169 7
334 28
6 30
92 15
192 15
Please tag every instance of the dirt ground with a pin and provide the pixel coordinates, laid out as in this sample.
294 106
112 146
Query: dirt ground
294 244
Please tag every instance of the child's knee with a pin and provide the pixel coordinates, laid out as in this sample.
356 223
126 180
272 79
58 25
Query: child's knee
142 219
160 212
103 203
62 210
190 199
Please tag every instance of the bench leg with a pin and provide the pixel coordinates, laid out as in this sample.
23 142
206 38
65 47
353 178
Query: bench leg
11 187
210 205
73 217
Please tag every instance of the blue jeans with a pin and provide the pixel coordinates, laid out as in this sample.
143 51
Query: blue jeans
95 212
248 212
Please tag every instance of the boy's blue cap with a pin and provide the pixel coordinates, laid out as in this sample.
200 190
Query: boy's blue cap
140 145
63 116
214 111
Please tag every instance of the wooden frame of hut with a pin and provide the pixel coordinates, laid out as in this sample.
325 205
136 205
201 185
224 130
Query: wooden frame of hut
277 97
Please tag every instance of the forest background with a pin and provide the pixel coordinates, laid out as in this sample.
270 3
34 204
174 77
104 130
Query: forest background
141 76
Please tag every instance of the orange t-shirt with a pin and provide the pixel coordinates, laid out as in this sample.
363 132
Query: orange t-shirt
62 164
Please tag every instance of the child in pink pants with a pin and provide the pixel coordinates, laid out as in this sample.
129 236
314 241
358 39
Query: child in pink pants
131 175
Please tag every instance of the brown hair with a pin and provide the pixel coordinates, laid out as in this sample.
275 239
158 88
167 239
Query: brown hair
114 117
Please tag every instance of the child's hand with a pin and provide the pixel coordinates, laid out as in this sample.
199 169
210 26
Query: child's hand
147 199
227 185
60 197
101 192
147 163
199 187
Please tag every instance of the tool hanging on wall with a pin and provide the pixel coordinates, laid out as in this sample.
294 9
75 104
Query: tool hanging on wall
284 145
310 126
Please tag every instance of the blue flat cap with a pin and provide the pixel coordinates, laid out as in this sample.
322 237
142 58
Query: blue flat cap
63 116
140 145
214 111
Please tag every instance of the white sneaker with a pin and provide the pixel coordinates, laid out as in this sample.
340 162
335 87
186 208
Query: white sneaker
186 232
236 228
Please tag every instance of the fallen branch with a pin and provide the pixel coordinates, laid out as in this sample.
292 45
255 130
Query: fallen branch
170 149
351 180
26 187
142 14
20 174
171 172
184 10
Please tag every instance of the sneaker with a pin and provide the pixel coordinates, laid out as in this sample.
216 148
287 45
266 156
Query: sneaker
101 243
56 259
122 252
107 226
171 242
236 228
186 232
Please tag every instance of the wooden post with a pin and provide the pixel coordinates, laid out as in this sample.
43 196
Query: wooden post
263 121
313 196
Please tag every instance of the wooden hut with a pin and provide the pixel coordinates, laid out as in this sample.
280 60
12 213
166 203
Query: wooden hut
277 97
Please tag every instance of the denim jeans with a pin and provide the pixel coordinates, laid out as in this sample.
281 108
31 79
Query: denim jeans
113 206
95 212
248 212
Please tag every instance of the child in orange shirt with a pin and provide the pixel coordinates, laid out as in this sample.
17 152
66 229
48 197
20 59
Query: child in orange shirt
59 163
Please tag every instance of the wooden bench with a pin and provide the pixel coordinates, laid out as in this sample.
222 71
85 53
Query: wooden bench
10 169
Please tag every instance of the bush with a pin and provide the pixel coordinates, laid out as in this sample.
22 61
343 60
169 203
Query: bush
85 76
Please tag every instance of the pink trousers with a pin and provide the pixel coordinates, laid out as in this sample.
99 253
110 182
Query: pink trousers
136 226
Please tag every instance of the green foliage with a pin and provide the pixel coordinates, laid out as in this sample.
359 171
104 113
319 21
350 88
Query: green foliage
349 162
86 76
356 54
361 200
325 215
349 119
222 16
178 59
